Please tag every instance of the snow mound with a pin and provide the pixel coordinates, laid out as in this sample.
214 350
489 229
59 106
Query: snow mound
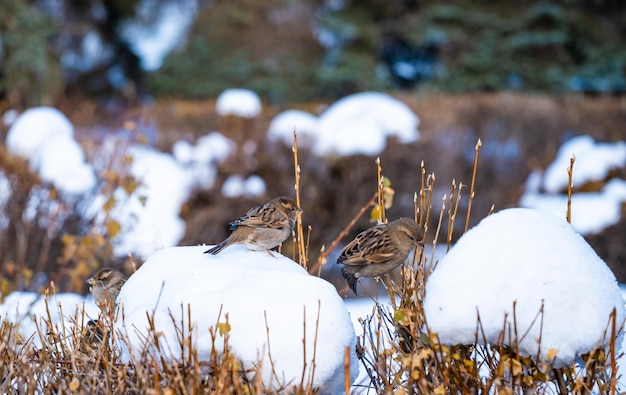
202 158
62 163
239 102
247 286
236 186
593 162
151 214
529 258
45 137
283 125
361 123
33 127
591 211
22 307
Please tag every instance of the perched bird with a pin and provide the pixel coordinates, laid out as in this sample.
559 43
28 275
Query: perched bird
263 227
379 249
105 285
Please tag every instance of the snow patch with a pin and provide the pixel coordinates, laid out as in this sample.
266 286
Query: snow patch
591 211
361 123
236 186
200 160
283 125
45 137
593 162
532 259
242 284
150 215
239 102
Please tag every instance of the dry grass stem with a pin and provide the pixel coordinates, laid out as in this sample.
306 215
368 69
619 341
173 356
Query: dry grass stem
471 192
570 187
301 248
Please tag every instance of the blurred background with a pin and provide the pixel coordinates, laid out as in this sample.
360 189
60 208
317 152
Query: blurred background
522 76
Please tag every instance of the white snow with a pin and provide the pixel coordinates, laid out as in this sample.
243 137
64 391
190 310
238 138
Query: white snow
30 131
356 124
66 310
239 102
246 286
45 137
153 37
200 160
361 123
593 162
591 211
9 117
236 186
62 163
150 216
284 124
530 258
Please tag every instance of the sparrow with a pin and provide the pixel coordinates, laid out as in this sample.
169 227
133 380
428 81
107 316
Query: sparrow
379 249
263 227
105 285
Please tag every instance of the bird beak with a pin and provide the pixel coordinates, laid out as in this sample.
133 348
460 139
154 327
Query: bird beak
91 281
300 210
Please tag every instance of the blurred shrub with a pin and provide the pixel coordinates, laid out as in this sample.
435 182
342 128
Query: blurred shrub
46 237
264 46
332 49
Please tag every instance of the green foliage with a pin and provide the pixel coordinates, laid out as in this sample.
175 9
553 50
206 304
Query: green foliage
541 46
267 47
30 71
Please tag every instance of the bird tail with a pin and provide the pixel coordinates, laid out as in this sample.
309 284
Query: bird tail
215 250
352 280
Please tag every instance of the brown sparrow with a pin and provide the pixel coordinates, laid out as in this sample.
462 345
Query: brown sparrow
263 227
105 285
379 249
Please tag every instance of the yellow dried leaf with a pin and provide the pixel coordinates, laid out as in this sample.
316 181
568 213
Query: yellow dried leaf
143 139
552 353
113 228
469 365
223 327
109 204
375 213
74 384
401 317
130 185
440 390
516 367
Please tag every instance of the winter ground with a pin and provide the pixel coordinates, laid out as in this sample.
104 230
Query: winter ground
46 138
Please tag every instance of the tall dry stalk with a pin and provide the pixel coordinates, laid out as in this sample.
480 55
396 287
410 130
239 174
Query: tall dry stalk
570 187
471 192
